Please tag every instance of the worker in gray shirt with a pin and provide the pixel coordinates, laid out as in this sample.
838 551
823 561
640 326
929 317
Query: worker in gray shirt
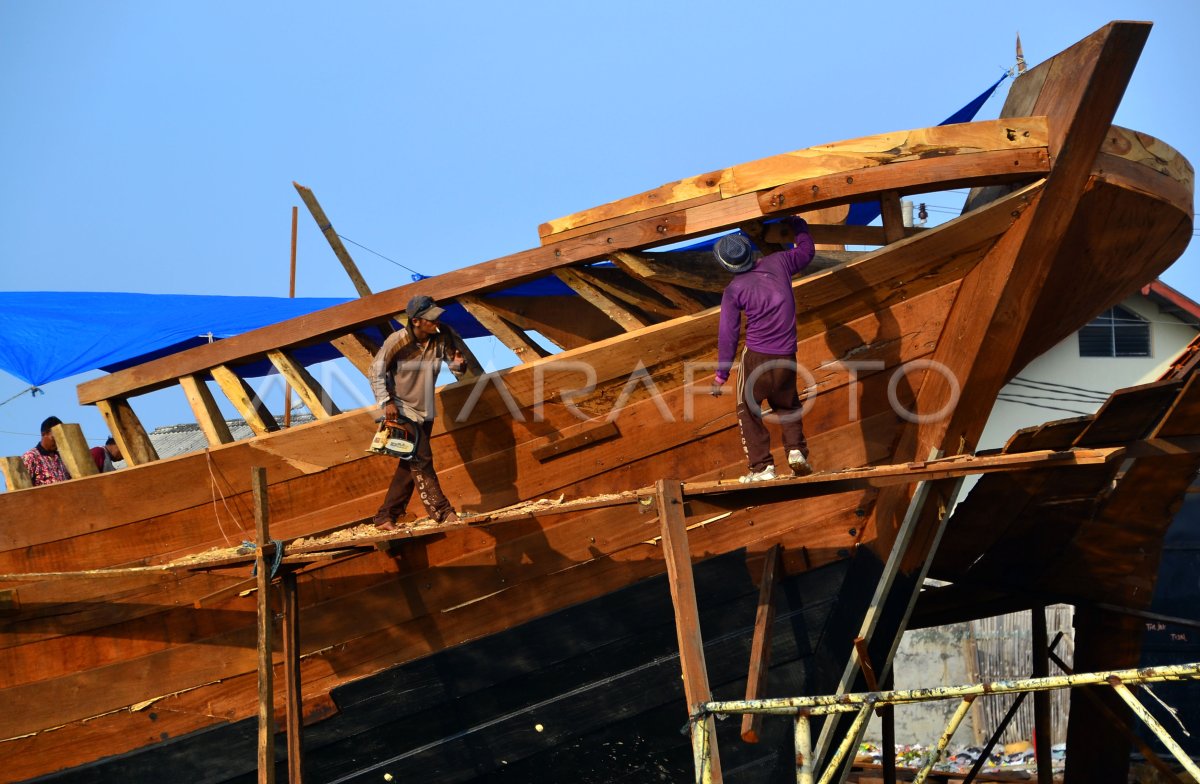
402 377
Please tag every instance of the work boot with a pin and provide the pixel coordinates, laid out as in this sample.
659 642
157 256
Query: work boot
765 475
799 463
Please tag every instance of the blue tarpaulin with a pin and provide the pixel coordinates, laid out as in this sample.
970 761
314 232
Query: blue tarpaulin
50 335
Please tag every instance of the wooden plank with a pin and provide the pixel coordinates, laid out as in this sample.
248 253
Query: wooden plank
621 290
326 227
74 451
1183 418
564 321
1051 435
678 558
907 473
245 400
760 646
266 667
1129 414
682 301
336 321
293 691
610 307
893 219
127 431
948 173
1008 137
357 348
557 447
513 337
314 396
16 476
204 408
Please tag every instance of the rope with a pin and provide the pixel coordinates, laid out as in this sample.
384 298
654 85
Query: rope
35 390
249 547
216 489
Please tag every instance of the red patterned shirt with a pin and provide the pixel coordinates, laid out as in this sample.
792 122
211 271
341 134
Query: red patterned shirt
45 468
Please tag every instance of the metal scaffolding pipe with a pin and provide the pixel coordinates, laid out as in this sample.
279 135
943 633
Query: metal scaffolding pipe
846 703
804 760
848 743
1158 729
944 741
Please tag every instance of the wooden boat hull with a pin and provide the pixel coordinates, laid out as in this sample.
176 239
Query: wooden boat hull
97 668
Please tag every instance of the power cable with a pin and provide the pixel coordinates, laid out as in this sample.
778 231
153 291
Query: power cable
1007 399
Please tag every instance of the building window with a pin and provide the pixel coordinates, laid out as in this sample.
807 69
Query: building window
1117 332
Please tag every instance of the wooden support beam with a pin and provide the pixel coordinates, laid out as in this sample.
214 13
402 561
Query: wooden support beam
310 391
678 558
204 408
760 646
1039 641
291 668
893 219
683 302
244 399
266 666
16 476
559 319
357 348
607 305
886 713
511 336
74 451
621 292
127 430
335 242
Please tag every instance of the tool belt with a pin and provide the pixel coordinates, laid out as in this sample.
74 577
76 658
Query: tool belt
396 438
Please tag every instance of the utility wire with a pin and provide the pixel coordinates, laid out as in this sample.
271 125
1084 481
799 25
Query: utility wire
1007 399
1036 384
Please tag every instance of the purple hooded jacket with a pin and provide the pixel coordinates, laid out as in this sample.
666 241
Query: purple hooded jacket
764 293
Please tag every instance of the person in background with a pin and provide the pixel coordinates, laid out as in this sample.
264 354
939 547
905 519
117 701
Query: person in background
762 290
402 377
43 462
106 455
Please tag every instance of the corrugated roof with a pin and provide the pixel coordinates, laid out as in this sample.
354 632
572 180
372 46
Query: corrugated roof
171 440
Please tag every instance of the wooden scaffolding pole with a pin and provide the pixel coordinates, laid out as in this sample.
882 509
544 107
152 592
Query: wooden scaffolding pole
687 625
266 702
291 669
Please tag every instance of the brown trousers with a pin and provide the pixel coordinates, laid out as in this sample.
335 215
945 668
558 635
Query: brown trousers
771 378
418 473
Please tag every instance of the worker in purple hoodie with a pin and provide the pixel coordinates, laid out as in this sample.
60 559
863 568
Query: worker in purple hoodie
762 290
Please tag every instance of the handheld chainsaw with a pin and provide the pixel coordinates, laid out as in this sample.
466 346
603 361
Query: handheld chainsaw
396 439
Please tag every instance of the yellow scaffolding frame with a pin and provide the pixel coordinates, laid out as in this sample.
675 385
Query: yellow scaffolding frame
862 703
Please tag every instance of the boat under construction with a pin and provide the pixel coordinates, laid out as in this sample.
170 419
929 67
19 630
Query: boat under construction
606 545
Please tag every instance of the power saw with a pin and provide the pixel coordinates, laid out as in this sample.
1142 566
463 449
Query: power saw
396 439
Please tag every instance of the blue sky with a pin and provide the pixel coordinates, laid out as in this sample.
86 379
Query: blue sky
151 146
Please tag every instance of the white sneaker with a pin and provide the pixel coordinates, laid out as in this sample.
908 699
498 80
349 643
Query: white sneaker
765 475
799 463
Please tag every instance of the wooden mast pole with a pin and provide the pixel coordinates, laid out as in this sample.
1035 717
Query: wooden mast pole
287 388
266 706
